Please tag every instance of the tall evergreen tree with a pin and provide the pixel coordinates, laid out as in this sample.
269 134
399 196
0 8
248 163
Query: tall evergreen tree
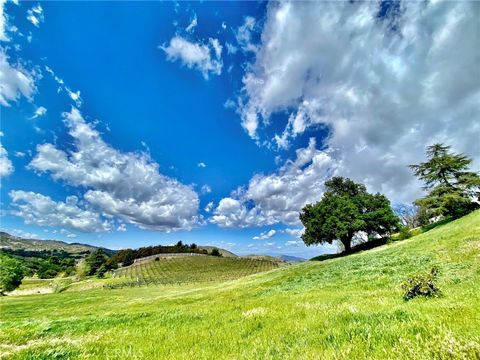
453 190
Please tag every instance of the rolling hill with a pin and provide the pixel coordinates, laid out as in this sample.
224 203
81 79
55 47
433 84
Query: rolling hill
14 242
349 307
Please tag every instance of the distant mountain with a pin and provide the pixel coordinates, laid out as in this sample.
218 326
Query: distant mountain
15 242
290 258
262 257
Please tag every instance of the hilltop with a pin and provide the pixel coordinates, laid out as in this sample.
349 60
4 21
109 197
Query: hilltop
16 243
348 307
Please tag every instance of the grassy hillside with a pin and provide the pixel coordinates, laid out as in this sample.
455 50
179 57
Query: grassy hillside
350 307
13 242
189 269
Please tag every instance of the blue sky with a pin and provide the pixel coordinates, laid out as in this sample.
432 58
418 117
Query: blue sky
129 124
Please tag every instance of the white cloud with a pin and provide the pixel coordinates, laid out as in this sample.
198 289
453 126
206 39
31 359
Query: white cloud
295 233
39 112
244 34
265 235
191 27
35 15
207 58
231 49
3 21
206 189
6 166
19 154
277 197
126 185
75 96
384 88
209 207
122 228
41 210
14 81
23 234
67 233
202 165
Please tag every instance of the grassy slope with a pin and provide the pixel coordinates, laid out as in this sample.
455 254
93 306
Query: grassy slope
342 308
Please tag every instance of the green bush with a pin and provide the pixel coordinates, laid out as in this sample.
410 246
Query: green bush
421 285
405 233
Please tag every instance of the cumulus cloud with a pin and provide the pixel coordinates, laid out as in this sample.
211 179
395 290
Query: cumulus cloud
14 81
277 197
385 86
126 185
41 210
206 58
122 228
265 235
202 165
6 166
35 15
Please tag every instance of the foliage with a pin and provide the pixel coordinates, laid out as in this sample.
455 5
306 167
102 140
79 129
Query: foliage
405 233
421 285
127 256
453 191
95 261
44 263
345 209
100 273
215 252
11 273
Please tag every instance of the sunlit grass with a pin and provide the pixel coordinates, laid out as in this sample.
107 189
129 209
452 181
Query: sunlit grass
350 307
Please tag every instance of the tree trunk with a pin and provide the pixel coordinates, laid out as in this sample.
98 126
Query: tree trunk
347 244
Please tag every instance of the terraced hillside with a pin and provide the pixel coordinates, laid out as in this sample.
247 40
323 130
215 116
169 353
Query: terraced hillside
190 269
345 308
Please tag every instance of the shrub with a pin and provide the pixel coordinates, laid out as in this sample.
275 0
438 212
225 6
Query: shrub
157 259
101 271
215 252
421 285
405 233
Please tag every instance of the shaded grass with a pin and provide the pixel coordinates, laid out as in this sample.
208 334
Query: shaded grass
348 307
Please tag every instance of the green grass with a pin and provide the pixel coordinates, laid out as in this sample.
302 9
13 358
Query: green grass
350 307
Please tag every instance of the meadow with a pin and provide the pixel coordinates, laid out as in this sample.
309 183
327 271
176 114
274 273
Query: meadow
348 307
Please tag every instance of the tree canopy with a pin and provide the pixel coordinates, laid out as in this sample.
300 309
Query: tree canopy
346 209
11 273
453 190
